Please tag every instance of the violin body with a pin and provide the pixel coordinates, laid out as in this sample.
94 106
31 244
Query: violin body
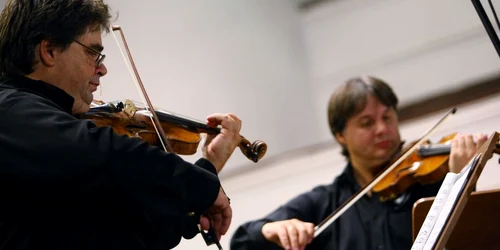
427 165
183 134
139 126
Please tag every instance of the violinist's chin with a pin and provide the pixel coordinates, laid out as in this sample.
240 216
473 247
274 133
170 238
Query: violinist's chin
385 151
93 86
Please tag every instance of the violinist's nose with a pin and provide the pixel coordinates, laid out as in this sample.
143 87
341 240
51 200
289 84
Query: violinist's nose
101 70
381 126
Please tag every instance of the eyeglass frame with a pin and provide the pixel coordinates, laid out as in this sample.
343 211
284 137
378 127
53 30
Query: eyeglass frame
100 58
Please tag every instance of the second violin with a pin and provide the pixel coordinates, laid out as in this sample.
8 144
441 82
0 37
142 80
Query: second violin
426 165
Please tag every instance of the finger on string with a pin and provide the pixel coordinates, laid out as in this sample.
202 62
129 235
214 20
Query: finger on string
215 118
469 142
212 124
461 142
234 117
232 122
227 121
481 139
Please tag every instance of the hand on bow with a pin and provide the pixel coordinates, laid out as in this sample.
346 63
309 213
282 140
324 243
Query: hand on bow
463 148
219 216
218 148
289 234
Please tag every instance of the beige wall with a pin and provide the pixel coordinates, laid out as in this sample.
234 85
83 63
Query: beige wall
420 47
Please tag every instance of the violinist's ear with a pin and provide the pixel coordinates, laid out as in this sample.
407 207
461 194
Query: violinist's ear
340 138
48 53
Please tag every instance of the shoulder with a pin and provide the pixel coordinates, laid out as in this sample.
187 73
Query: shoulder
22 103
10 97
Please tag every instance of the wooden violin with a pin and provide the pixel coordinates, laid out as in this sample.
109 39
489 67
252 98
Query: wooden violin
183 134
427 165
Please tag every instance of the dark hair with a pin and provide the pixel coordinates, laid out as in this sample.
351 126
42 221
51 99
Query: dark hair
25 23
350 99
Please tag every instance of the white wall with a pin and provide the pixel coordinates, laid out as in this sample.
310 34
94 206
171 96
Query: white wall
420 47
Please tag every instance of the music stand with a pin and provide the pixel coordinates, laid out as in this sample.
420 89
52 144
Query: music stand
487 24
478 226
482 201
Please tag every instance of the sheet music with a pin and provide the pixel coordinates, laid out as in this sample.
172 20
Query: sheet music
434 211
440 209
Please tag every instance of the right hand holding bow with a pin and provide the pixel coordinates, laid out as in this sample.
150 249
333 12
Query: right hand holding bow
219 215
290 234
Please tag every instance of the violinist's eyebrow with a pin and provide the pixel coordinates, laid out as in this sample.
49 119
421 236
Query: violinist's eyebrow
387 109
368 116
97 47
364 117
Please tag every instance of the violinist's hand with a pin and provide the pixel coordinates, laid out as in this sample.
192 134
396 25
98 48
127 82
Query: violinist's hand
218 216
289 234
218 148
463 148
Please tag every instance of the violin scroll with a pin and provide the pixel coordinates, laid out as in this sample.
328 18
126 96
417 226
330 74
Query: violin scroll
253 151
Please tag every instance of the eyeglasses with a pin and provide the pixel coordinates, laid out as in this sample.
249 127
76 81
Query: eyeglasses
100 58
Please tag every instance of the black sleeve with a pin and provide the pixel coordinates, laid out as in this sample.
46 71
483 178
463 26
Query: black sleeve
207 165
309 207
47 155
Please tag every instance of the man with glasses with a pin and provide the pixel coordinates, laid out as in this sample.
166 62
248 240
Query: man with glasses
100 57
67 184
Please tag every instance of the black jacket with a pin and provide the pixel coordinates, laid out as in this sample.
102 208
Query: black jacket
67 184
369 224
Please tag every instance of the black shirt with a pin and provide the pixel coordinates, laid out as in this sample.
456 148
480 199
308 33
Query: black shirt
67 184
368 224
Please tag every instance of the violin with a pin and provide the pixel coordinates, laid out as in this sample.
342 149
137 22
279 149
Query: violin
421 162
132 119
427 165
